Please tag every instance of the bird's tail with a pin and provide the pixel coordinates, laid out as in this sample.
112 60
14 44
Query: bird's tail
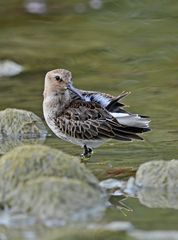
133 122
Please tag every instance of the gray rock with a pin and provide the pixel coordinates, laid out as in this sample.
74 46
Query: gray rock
158 181
64 199
155 184
47 183
8 143
9 68
20 126
158 174
158 198
36 6
156 235
21 123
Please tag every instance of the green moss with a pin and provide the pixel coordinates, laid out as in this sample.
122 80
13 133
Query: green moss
31 161
20 123
18 127
56 198
48 183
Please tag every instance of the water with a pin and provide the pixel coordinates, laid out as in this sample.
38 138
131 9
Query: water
124 45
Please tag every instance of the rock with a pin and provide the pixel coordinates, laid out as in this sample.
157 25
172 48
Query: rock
21 123
8 143
96 4
157 184
9 68
47 183
64 199
36 6
19 126
158 174
112 226
158 198
28 162
156 235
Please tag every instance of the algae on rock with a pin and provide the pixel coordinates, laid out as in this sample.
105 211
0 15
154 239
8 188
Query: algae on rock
159 184
18 127
155 184
47 183
21 123
57 198
158 174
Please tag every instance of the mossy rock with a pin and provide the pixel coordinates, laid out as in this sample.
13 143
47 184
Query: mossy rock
44 182
19 127
158 197
28 162
8 143
158 174
158 181
21 123
52 198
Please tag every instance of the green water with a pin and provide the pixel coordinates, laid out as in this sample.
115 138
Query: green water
126 45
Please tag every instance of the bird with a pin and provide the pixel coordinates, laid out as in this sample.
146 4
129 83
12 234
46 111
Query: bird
87 118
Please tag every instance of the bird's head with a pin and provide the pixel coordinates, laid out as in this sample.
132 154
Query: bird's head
57 81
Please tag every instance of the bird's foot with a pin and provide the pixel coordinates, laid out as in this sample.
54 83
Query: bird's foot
86 155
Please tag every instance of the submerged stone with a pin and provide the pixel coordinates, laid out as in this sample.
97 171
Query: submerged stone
155 185
21 123
18 127
51 198
158 174
159 184
47 183
158 198
7 144
9 68
28 162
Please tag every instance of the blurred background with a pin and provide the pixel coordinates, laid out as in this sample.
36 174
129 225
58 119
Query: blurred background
110 46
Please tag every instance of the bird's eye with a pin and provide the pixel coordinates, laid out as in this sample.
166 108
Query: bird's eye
58 78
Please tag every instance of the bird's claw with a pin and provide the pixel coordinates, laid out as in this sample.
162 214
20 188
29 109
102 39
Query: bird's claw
86 155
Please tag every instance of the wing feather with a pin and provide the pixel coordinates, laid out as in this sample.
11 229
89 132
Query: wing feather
89 121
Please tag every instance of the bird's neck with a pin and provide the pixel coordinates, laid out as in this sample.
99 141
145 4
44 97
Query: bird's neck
55 103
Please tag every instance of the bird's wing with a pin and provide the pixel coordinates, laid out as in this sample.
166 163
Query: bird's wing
111 103
89 121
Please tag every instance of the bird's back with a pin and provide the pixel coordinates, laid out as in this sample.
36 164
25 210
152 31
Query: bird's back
135 122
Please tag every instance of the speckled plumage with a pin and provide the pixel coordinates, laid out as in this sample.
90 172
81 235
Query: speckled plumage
87 118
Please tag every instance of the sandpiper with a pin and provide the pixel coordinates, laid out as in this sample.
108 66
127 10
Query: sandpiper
87 118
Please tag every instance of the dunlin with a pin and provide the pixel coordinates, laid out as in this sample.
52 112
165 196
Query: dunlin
87 118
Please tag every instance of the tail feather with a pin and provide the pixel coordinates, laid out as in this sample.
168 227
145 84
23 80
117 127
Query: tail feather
124 132
132 120
115 105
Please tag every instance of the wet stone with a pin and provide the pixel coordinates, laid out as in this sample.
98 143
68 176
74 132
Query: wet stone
159 184
47 183
9 68
18 127
21 123
158 198
158 174
57 198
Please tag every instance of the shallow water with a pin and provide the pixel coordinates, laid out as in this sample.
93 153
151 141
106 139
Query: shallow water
124 45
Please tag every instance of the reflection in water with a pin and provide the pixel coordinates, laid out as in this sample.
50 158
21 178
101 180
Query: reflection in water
159 197
119 203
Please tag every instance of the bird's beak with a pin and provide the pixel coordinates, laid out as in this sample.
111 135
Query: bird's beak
74 90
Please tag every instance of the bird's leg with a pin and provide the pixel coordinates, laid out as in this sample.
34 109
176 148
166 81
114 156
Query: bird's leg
87 152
